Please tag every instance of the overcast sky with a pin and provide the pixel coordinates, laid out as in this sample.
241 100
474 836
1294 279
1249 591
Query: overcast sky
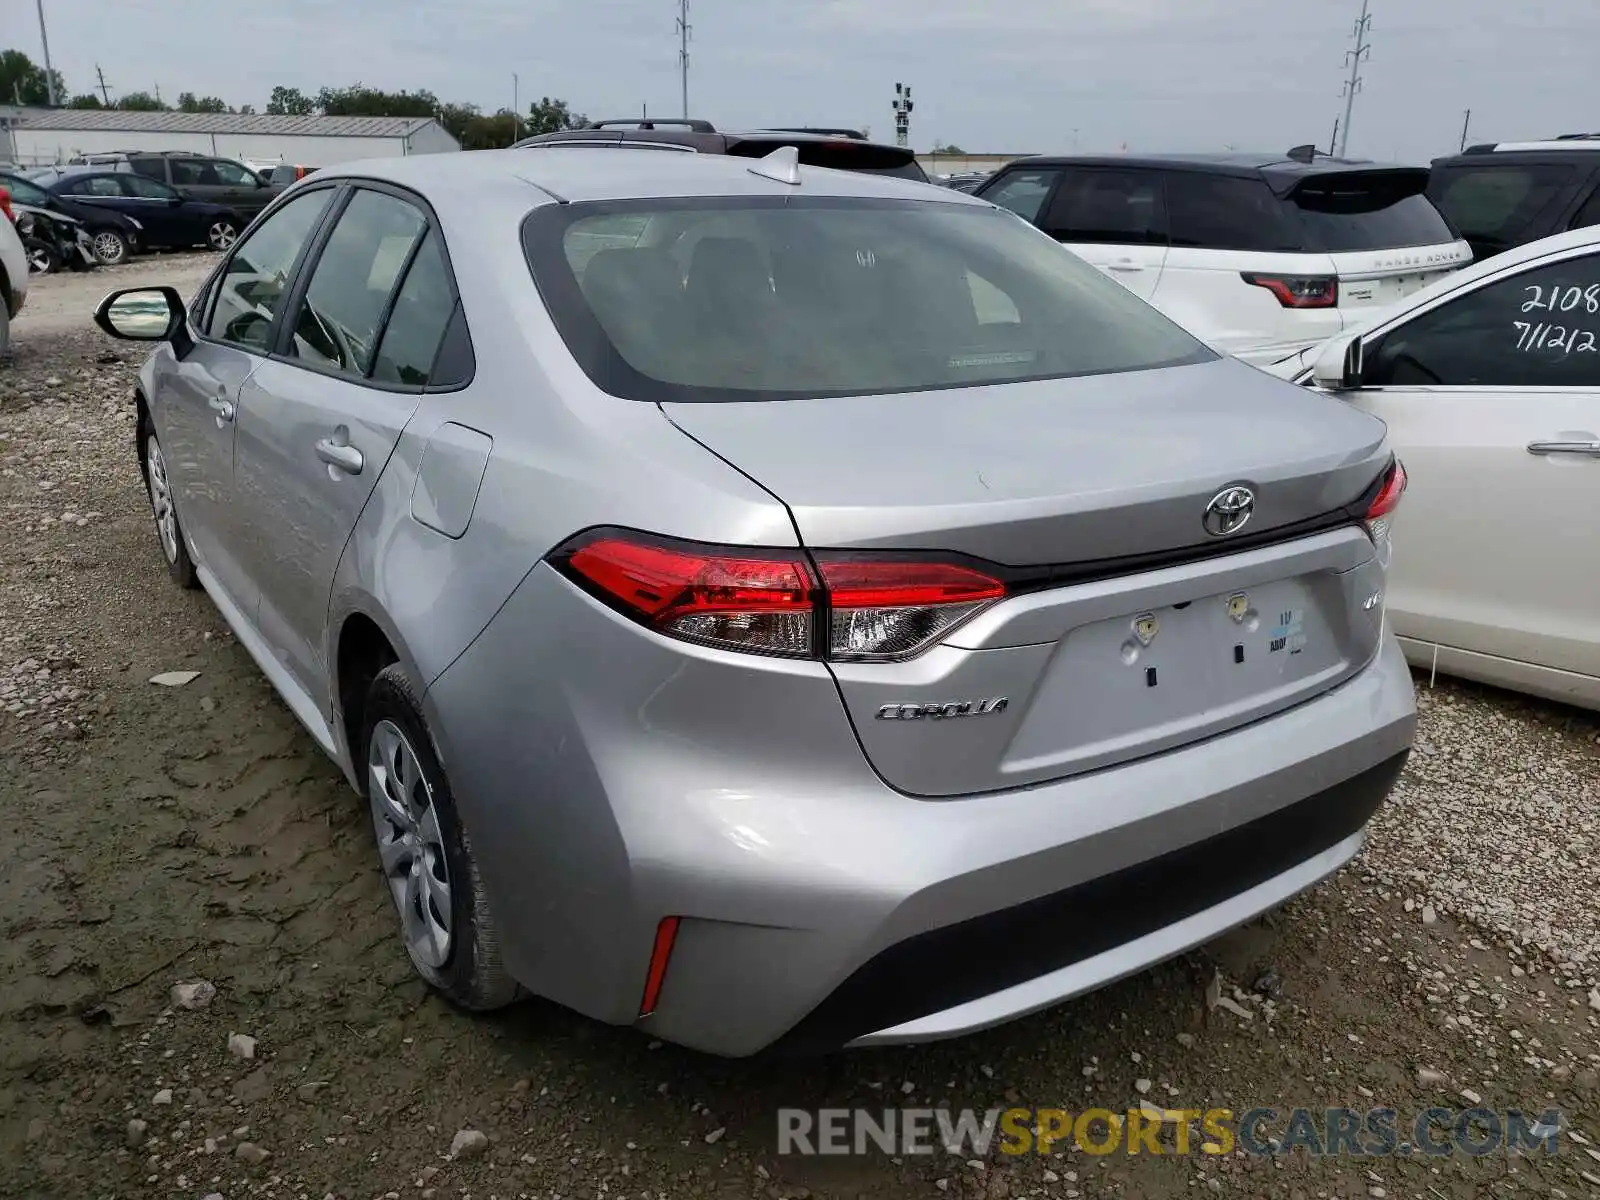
1003 76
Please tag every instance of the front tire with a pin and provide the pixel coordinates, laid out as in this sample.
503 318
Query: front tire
110 248
42 258
223 233
425 855
169 531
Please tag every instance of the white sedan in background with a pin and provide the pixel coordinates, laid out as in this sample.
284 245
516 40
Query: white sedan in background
1489 381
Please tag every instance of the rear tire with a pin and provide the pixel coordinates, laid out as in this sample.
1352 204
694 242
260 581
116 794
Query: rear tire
110 248
425 854
169 530
222 233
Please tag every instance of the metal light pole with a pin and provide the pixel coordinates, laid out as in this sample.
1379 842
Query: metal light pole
683 53
1353 59
516 107
49 73
902 114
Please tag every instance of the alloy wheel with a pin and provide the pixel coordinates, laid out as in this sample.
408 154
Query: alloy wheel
410 844
222 235
109 248
161 498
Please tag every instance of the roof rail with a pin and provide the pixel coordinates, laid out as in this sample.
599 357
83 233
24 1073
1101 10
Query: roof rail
824 130
654 123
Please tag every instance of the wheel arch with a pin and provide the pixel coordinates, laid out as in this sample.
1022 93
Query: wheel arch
363 641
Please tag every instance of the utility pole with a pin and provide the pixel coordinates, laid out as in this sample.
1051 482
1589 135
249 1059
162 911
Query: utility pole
158 93
1353 59
516 107
683 53
1333 142
902 115
105 88
1466 122
49 74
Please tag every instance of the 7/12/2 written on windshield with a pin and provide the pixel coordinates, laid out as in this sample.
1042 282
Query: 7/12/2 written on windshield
1539 335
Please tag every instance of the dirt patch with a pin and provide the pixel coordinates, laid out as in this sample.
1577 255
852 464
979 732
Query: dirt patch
161 835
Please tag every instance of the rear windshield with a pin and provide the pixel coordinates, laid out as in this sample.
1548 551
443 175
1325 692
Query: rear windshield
1374 212
841 155
780 298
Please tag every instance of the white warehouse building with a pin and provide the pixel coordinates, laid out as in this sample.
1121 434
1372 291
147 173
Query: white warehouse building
39 136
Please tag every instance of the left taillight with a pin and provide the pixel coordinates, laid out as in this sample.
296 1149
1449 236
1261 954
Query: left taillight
1298 291
5 205
1386 501
844 607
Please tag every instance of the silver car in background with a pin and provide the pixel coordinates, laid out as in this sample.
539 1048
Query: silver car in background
774 607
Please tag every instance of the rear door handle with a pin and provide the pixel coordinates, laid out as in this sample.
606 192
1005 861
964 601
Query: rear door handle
340 455
223 407
1588 449
1126 266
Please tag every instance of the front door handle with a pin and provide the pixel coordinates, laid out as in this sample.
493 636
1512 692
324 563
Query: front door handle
1126 266
1588 449
341 456
223 407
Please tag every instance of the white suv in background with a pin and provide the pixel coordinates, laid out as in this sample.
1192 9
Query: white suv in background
13 272
1257 255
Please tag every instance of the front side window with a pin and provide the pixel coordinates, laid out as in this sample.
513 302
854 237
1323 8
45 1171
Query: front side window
783 299
1492 205
231 174
193 172
338 322
146 189
1023 192
1537 328
250 290
27 193
1225 212
1116 207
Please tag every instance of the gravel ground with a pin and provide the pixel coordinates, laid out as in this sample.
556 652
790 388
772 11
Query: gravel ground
162 836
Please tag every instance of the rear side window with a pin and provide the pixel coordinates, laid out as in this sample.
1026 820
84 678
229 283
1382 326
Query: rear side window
152 168
1495 204
1023 192
422 310
1119 207
1589 214
339 319
1371 212
1221 212
769 298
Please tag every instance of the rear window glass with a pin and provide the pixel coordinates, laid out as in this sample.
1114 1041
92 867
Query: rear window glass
1223 212
1496 203
1342 212
777 298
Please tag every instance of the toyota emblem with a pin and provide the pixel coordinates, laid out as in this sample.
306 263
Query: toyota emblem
1229 510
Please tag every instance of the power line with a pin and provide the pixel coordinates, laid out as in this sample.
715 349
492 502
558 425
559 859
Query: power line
1353 59
683 52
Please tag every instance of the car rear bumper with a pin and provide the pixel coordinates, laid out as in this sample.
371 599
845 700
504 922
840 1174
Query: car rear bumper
611 779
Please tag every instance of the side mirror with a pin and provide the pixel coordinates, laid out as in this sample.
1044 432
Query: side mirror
1338 364
148 314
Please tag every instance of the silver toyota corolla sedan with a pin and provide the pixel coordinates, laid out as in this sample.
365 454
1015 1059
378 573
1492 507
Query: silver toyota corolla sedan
773 607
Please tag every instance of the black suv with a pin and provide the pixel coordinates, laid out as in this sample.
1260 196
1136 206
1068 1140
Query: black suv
842 149
1502 194
197 176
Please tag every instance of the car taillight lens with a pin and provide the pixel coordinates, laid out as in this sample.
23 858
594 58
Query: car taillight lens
5 205
1298 291
882 610
1386 501
848 608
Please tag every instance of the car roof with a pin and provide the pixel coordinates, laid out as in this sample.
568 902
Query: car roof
1279 170
591 173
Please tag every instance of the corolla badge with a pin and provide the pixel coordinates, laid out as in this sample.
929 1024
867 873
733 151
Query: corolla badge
992 706
1229 510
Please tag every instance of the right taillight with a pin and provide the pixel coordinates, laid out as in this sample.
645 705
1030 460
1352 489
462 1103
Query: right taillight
844 607
1386 501
1298 291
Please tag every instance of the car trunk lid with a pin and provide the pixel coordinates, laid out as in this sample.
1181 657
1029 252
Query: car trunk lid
1090 495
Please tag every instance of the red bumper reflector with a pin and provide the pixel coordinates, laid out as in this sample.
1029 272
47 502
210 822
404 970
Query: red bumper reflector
666 934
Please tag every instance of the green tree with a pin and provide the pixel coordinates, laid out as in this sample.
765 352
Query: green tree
290 102
86 100
358 100
22 81
552 116
948 149
190 103
139 102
